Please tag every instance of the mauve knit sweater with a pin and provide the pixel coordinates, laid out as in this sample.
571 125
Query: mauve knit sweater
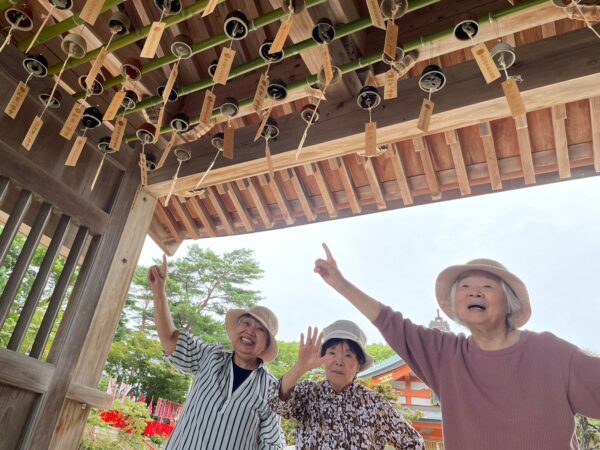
523 397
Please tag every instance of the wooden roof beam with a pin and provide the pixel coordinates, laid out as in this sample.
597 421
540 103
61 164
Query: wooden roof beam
376 191
339 165
595 112
422 149
236 198
559 115
222 212
489 148
570 75
167 219
525 149
459 163
286 210
328 198
259 202
303 198
186 219
398 167
196 205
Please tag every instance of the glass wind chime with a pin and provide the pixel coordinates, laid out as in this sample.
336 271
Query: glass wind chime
105 149
392 10
180 123
182 155
36 66
166 8
20 18
62 5
92 118
145 134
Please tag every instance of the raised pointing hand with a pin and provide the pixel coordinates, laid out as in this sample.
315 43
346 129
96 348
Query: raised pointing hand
328 269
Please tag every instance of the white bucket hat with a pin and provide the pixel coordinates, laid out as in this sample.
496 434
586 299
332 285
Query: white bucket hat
346 329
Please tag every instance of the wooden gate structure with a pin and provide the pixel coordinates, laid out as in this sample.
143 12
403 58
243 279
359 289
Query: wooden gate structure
474 144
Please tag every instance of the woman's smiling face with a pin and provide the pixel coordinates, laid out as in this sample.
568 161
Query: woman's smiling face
480 300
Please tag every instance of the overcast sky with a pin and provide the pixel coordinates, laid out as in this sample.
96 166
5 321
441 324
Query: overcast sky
548 235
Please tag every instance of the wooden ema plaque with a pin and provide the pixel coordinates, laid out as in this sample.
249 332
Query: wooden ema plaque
485 62
513 96
91 10
261 127
224 66
170 83
168 148
210 7
371 138
375 13
327 67
207 108
114 106
143 173
16 101
75 151
153 40
32 133
391 40
70 125
425 115
93 73
118 132
261 91
228 141
391 85
281 36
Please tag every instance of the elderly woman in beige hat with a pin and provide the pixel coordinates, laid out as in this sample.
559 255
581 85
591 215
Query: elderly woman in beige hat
339 413
501 388
226 408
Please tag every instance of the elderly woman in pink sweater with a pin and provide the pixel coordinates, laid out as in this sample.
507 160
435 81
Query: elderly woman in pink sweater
501 388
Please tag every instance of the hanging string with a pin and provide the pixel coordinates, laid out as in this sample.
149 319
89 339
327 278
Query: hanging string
10 32
37 33
62 69
269 160
173 184
430 92
310 122
207 170
98 171
29 78
585 19
370 117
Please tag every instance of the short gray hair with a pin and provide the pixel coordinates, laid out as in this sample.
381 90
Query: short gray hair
513 302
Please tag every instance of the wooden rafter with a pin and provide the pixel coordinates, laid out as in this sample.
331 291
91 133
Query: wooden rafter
595 112
489 148
524 140
339 165
195 204
422 148
376 190
167 220
221 210
559 115
303 198
328 198
285 208
238 203
259 202
400 174
186 219
459 163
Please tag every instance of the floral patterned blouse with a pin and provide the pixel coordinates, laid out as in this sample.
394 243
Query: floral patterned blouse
356 418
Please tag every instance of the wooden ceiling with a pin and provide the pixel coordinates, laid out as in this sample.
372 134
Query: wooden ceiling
473 145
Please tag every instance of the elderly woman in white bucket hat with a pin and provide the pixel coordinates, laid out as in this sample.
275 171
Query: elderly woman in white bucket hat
339 413
226 408
501 388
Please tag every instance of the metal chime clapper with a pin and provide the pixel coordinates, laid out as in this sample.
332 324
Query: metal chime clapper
270 131
217 141
180 124
432 80
392 10
276 91
105 149
145 133
182 155
504 57
167 8
321 77
63 5
74 46
229 109
20 18
118 25
35 66
92 118
291 7
369 98
271 58
76 113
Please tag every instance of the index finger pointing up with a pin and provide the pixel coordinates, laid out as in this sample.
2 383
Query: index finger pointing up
328 253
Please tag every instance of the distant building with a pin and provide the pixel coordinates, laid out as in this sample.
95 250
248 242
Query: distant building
413 393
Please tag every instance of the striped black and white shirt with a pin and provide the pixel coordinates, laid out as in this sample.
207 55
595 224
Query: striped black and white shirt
213 417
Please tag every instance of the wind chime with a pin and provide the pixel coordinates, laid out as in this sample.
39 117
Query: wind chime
167 8
124 99
291 7
74 46
145 133
92 118
180 124
105 149
20 19
35 66
168 96
62 5
182 155
276 91
504 57
323 33
270 131
118 24
392 10
369 98
432 80
229 109
217 141
271 58
236 28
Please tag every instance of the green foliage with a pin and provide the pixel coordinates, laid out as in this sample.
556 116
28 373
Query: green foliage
379 352
588 433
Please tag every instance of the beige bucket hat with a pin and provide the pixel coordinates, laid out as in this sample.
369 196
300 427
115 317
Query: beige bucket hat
448 276
265 316
346 329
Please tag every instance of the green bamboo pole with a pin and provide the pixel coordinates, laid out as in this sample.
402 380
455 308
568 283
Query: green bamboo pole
135 36
204 45
62 27
371 59
293 50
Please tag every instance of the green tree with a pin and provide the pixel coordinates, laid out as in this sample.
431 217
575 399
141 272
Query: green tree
380 352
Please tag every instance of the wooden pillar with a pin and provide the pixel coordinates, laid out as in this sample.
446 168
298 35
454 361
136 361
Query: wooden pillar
99 338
